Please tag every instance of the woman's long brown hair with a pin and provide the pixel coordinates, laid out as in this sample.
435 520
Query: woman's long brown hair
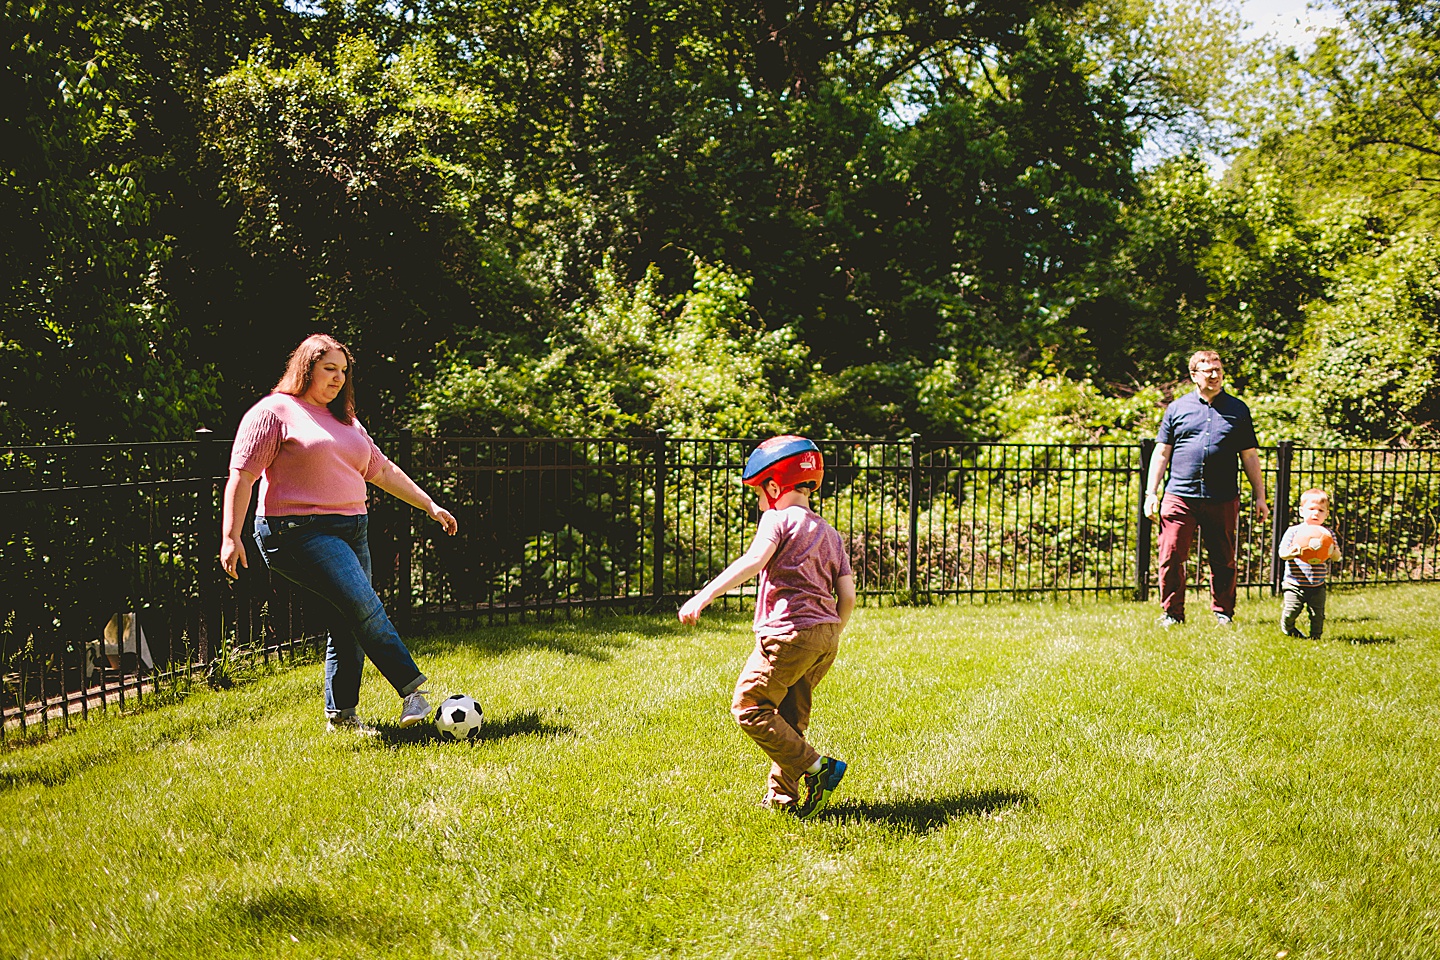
301 367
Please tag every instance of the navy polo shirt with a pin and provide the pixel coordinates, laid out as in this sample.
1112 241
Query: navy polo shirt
1207 438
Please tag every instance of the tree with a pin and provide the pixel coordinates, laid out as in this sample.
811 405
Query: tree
908 185
922 197
632 362
90 349
369 182
1371 364
1230 267
110 243
1360 115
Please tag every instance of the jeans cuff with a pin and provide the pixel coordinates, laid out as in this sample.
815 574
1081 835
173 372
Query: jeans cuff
413 685
341 714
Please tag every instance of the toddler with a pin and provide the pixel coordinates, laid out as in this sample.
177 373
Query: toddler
1303 585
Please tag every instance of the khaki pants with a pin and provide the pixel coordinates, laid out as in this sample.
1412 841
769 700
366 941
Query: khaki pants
772 700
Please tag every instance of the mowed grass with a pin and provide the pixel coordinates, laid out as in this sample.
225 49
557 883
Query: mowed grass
1026 780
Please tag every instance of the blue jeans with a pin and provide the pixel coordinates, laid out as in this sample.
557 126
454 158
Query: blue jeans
329 555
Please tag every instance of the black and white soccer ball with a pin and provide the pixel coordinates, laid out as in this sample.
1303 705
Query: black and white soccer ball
459 718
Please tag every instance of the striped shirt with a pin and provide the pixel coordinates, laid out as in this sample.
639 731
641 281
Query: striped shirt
1302 573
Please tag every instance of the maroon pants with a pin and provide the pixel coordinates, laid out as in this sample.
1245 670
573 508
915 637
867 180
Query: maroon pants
1217 521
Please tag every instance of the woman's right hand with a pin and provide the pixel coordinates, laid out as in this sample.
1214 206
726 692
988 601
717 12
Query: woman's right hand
232 556
237 499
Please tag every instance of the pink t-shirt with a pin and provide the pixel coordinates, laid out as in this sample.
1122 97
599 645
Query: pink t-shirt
307 461
797 587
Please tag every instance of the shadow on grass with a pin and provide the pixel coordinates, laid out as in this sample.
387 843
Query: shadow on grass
288 912
925 815
1364 639
521 724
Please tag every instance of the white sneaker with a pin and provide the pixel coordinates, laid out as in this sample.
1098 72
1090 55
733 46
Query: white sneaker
414 709
350 724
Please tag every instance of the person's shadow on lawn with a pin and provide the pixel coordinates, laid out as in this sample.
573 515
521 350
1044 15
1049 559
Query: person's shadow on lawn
925 814
1363 639
516 725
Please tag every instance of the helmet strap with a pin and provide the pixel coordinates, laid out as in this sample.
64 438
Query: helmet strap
769 501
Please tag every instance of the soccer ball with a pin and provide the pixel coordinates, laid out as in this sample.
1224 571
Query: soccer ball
459 718
1314 543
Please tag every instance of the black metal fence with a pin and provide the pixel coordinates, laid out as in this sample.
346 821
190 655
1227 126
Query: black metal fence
550 526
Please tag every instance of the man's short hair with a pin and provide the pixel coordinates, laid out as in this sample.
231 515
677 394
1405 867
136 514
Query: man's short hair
1200 355
1315 493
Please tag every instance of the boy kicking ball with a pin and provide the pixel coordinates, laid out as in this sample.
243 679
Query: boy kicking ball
805 597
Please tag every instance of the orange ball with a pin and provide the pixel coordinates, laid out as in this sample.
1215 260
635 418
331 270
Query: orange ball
1314 543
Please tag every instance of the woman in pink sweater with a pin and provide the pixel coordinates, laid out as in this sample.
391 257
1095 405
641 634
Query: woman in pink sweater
313 460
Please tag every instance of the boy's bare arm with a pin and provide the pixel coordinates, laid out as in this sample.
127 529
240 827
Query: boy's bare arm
742 568
845 599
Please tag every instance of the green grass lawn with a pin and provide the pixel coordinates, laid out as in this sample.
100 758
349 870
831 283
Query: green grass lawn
1026 780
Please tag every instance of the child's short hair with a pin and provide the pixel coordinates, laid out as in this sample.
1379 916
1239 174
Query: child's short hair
1315 493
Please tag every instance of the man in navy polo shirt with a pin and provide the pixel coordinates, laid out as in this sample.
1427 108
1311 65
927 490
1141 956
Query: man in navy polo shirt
1202 435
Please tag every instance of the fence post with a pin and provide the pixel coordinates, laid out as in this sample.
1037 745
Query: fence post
657 532
1280 516
912 559
1143 525
211 585
404 598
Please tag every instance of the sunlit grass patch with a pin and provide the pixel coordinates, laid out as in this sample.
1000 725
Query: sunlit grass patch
1025 780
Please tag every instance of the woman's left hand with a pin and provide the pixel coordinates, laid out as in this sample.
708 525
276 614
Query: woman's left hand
445 518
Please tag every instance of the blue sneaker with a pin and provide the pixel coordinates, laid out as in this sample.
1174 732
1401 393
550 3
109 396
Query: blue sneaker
816 788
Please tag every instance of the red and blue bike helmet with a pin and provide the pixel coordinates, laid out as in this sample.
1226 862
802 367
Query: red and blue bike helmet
788 460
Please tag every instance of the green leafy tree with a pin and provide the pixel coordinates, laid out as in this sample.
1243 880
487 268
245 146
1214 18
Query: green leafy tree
1060 410
119 267
1371 366
1204 264
91 347
633 361
1171 62
924 199
370 181
1357 115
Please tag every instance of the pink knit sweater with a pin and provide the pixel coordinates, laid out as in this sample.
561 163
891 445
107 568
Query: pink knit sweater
307 461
